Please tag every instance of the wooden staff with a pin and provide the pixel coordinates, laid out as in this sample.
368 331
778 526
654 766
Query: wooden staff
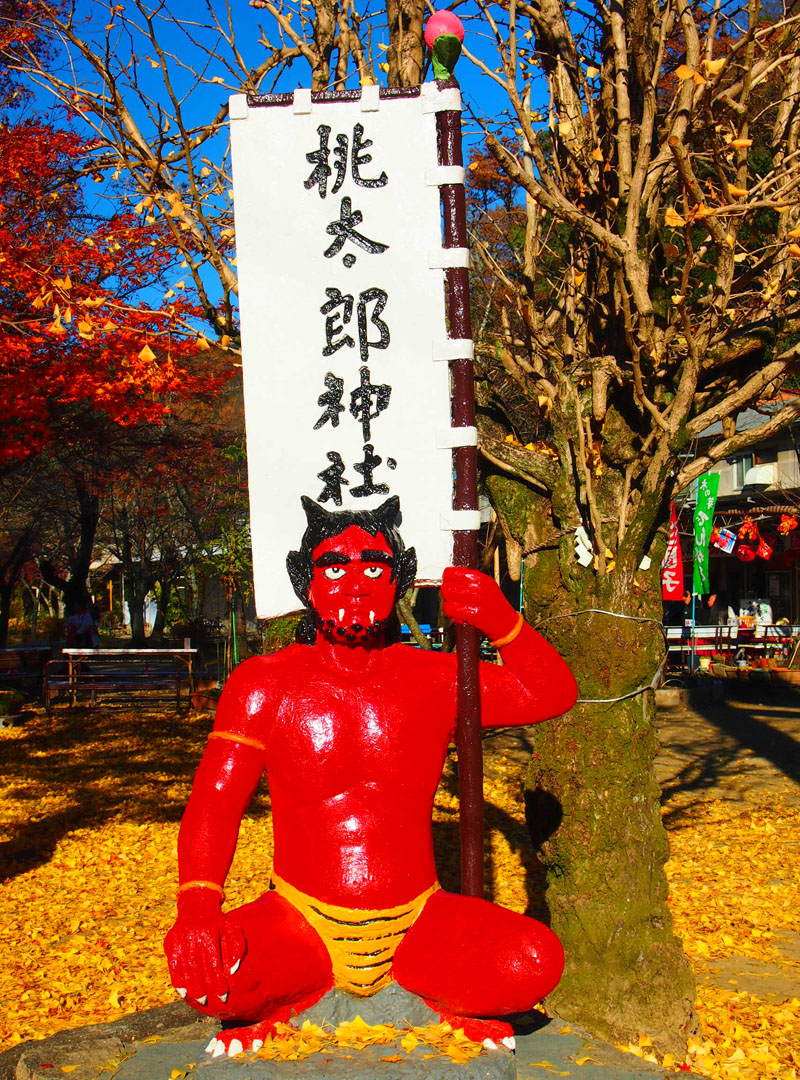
446 46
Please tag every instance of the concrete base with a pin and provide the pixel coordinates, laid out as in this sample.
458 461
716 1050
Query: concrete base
156 1062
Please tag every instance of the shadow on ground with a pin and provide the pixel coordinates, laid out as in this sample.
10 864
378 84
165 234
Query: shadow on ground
81 768
748 742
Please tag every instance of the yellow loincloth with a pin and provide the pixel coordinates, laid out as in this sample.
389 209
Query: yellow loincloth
361 942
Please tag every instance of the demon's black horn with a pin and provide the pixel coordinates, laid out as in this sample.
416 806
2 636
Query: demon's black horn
387 512
315 514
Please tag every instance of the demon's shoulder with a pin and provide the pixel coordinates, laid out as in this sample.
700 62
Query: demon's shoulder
254 686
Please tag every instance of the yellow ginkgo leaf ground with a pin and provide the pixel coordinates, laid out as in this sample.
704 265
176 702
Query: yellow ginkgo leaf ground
89 809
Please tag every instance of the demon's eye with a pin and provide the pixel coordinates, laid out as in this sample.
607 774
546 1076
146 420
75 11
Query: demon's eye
374 571
333 573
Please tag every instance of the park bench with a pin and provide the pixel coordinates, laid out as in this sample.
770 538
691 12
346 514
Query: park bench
119 676
22 668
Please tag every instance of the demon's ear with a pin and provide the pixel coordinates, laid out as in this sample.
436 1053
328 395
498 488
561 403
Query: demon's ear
316 515
406 571
297 569
386 513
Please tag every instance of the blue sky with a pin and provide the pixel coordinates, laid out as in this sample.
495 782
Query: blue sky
480 93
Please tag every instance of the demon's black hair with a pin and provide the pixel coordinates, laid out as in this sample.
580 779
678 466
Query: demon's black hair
323 524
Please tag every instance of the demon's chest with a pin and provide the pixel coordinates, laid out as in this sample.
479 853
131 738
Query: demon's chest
330 737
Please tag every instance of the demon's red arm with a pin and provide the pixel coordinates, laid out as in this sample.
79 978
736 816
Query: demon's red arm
534 683
201 949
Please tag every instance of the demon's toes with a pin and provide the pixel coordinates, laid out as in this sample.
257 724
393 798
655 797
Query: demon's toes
216 1048
508 1042
241 1040
219 1046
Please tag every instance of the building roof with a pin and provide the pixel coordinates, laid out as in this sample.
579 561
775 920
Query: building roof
747 419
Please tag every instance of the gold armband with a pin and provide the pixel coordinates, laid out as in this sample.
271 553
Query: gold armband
243 739
500 642
201 885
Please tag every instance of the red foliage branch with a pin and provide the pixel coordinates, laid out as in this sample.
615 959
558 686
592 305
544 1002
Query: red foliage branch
73 330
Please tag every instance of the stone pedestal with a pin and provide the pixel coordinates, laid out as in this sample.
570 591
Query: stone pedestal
392 1005
149 1045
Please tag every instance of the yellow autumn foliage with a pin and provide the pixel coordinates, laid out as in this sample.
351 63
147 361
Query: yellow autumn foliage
90 803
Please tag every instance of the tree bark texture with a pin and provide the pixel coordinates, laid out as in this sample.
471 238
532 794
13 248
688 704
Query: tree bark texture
591 797
73 586
136 591
406 53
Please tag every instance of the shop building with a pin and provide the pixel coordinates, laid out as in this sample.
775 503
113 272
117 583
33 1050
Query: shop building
754 566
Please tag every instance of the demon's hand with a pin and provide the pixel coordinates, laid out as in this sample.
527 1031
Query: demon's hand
472 597
203 949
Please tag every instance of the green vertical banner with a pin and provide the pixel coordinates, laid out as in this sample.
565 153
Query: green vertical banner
707 489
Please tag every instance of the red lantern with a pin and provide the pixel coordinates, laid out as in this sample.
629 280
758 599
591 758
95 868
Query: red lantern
745 552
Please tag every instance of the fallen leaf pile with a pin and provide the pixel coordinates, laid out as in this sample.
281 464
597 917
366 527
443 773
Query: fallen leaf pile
735 897
289 1044
90 804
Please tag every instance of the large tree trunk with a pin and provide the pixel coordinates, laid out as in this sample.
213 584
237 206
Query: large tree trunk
406 53
137 585
73 587
10 572
6 592
592 799
159 626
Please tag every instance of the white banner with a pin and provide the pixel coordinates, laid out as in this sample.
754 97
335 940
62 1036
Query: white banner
342 316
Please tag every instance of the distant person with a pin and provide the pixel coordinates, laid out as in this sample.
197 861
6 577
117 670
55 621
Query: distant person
81 627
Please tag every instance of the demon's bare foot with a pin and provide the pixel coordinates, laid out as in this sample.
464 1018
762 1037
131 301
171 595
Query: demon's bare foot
492 1033
244 1040
251 1037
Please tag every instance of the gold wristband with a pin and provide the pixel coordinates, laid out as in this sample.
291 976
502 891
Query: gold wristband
201 885
501 641
230 736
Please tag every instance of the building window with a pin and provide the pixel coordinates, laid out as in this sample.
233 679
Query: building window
764 457
743 465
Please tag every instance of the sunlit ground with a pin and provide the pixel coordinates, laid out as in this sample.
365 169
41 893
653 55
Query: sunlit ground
89 809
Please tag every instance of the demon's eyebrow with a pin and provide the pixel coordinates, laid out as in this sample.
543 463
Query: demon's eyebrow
332 558
373 555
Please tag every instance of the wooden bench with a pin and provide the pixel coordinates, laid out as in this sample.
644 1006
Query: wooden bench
118 676
22 668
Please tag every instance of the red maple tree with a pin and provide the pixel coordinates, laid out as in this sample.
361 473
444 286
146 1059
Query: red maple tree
74 329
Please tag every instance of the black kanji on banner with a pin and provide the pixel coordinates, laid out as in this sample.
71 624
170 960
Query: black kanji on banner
338 309
344 230
351 322
368 401
320 159
331 400
333 479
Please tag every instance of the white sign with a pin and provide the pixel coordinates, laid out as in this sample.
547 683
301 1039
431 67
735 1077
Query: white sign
338 236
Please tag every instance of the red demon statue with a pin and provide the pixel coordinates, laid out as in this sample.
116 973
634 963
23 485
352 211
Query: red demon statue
352 732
